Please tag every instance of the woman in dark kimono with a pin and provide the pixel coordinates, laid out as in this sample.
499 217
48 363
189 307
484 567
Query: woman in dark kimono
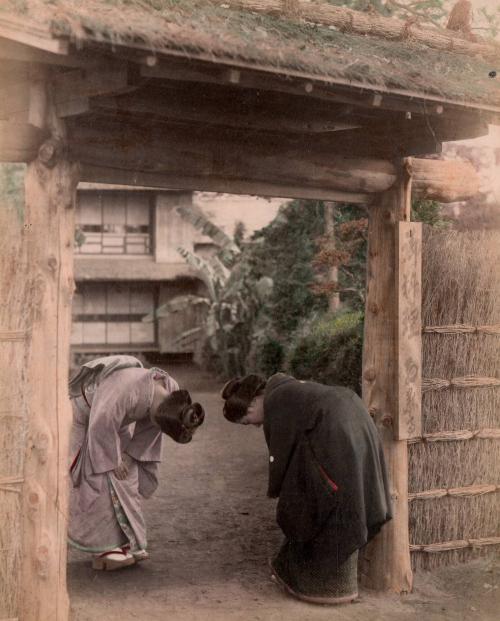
326 466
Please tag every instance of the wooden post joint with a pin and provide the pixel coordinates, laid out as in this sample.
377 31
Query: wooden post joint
42 560
35 502
41 445
51 151
52 264
386 421
370 374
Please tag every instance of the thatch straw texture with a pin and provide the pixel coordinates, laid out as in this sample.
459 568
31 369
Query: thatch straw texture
12 412
460 287
214 32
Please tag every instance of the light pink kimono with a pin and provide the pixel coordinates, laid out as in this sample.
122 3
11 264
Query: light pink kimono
105 512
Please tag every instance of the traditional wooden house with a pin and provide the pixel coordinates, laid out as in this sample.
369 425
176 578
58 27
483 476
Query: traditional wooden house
299 99
127 264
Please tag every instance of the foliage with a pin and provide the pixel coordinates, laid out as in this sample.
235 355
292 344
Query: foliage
230 301
228 250
283 251
330 351
221 308
345 249
271 357
239 233
268 311
429 212
79 237
12 186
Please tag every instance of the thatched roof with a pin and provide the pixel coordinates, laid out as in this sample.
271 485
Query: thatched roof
215 32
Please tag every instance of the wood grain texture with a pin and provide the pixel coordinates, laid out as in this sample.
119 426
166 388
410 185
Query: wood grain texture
103 174
211 160
445 181
408 421
386 565
49 225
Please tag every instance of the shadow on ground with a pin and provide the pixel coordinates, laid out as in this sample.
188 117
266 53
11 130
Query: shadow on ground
211 530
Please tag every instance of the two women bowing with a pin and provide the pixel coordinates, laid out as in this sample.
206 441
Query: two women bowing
325 465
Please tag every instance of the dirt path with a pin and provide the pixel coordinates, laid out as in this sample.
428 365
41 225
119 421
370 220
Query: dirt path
211 530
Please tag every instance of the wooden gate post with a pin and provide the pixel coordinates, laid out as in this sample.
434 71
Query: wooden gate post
50 190
386 563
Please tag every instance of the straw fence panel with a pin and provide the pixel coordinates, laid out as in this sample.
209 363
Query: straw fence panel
12 409
453 472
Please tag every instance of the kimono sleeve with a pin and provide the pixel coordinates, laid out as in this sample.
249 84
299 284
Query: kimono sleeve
146 442
110 405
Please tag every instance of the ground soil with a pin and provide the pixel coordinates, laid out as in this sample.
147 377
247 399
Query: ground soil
211 531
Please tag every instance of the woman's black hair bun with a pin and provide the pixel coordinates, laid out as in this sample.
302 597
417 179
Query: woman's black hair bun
230 388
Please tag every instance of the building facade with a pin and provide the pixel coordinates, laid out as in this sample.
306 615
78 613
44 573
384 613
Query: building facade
127 264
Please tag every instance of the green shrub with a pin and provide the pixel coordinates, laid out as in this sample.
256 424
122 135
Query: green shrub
331 353
429 212
271 356
283 251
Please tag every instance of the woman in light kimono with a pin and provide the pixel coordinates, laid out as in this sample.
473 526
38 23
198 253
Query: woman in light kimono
120 410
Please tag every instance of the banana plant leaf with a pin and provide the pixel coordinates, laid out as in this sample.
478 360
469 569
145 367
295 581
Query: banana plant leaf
195 216
176 305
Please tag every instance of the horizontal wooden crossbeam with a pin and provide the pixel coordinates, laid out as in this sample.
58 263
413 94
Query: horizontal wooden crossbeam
122 176
470 381
493 329
235 161
253 113
455 492
465 434
459 544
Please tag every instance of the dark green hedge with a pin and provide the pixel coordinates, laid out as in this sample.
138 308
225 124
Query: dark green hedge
331 352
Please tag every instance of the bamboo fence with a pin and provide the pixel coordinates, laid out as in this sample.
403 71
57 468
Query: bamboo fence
12 410
454 478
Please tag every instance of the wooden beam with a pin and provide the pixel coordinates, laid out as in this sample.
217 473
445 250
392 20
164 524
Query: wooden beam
174 66
37 111
313 86
72 89
43 577
19 31
112 78
408 419
218 157
268 161
15 100
446 181
19 142
379 140
186 107
19 52
99 174
50 188
386 564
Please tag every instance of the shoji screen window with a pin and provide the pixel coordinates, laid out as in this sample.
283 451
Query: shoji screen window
111 314
113 223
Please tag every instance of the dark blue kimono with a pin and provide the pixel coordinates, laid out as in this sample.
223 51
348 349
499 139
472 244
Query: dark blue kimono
327 468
